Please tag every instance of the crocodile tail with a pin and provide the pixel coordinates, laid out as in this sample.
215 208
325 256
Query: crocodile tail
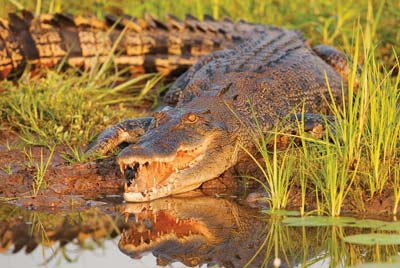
144 45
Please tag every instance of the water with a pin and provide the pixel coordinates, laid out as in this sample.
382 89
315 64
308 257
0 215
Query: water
197 231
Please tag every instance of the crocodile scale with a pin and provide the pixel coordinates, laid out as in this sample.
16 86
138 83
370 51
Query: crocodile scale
240 78
144 45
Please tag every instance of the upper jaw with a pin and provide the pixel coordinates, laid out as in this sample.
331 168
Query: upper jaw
163 176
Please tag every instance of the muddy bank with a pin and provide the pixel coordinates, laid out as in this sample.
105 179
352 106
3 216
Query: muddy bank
80 183
63 185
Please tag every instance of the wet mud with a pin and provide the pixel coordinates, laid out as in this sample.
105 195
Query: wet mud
64 184
80 184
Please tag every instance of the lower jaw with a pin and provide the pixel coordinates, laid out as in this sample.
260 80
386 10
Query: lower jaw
141 197
135 197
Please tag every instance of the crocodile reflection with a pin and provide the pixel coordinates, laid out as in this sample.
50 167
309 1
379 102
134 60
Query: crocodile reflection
25 230
194 231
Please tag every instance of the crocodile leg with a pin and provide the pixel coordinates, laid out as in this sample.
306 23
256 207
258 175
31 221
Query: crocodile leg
297 124
126 131
338 60
314 124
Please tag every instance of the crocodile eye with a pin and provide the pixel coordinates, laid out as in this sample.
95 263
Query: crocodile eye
191 118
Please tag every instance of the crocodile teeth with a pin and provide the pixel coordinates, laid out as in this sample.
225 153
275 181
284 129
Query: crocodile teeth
122 167
126 217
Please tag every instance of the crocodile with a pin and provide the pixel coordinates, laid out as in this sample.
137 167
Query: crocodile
144 45
242 77
214 108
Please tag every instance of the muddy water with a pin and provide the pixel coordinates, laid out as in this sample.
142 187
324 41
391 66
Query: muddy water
196 231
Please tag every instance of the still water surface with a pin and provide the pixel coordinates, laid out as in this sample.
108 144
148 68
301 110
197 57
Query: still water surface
200 231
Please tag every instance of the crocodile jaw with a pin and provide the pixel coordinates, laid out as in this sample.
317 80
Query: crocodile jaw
156 177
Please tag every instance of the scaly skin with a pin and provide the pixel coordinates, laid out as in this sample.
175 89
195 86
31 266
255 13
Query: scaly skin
219 101
145 45
265 75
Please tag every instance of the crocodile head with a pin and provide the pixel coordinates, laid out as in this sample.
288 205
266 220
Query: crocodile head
192 229
183 148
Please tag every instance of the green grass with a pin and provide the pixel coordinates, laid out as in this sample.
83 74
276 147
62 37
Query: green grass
7 169
355 162
364 153
64 108
39 181
359 158
276 166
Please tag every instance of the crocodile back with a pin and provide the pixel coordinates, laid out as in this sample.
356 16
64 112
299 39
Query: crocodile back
274 74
